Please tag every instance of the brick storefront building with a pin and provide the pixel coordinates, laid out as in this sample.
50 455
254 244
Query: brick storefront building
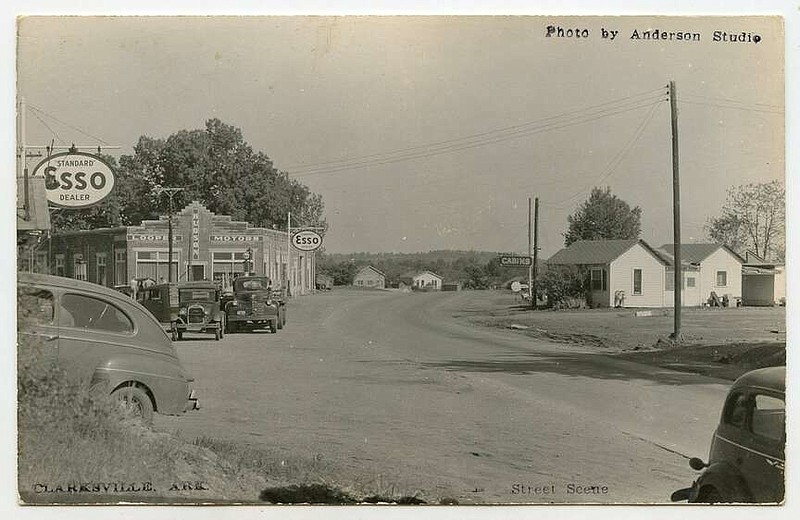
205 246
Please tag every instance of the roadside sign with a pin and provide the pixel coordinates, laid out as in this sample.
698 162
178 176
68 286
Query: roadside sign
76 180
306 240
515 261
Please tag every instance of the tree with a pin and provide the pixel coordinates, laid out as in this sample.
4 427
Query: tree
603 216
753 217
213 165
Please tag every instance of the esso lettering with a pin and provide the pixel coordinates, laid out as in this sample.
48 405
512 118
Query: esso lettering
77 180
303 240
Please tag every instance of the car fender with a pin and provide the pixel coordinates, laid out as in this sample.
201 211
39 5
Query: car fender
165 379
725 478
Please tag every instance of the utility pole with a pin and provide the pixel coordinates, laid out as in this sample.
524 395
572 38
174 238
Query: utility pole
676 212
530 256
171 194
535 251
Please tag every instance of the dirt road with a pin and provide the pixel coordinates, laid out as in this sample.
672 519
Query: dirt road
389 390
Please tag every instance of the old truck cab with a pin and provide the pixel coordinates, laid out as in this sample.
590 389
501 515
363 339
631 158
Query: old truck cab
252 305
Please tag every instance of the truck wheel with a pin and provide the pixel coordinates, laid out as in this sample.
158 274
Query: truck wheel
136 401
280 323
273 328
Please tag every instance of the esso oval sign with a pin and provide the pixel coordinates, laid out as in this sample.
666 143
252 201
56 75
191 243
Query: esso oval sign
76 179
306 240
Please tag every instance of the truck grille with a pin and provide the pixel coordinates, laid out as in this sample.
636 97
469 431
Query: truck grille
195 315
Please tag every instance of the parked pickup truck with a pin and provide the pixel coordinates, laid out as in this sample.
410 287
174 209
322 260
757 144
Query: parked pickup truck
252 305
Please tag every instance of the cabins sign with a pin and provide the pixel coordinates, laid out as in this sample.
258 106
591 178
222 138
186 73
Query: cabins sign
76 180
515 261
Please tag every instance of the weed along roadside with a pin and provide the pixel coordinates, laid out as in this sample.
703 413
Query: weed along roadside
723 342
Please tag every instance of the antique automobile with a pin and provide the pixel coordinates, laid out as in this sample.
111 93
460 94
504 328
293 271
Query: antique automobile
199 309
162 302
746 461
252 305
104 340
185 307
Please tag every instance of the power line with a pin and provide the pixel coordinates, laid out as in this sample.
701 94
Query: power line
37 109
301 168
48 127
509 135
729 100
615 161
750 109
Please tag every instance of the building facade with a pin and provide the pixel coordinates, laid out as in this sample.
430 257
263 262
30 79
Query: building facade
370 277
427 280
622 273
206 246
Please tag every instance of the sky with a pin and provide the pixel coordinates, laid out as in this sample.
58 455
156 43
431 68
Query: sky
426 133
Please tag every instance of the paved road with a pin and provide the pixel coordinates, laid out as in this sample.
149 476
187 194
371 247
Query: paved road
390 391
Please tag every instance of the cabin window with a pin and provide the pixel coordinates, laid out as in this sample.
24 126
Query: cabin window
669 281
722 278
769 415
598 277
690 281
637 281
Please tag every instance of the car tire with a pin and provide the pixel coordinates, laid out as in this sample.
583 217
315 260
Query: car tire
136 400
273 328
180 335
174 333
222 328
280 323
217 333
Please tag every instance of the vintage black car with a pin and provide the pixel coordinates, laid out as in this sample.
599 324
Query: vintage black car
253 305
106 341
199 309
185 307
746 462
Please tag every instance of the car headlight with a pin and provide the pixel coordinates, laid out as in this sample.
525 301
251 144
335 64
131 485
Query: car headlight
182 312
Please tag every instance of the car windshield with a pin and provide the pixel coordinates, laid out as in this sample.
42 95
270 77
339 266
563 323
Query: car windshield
197 295
252 284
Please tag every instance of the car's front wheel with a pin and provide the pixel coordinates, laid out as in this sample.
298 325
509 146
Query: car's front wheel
135 401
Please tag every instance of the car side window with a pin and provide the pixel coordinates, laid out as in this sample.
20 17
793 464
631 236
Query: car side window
85 312
769 416
35 306
736 410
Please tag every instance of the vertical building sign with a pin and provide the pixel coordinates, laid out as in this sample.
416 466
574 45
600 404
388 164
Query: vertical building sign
196 234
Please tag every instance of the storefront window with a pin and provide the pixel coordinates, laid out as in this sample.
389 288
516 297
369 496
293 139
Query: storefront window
153 264
227 265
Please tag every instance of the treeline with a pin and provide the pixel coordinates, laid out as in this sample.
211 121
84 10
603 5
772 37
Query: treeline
474 269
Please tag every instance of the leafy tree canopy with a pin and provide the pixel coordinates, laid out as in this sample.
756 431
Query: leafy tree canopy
603 216
213 165
753 217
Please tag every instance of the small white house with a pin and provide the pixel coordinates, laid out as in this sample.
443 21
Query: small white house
628 273
369 277
711 268
427 280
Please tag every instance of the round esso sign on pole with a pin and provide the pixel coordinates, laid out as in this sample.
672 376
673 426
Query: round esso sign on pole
306 240
76 179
